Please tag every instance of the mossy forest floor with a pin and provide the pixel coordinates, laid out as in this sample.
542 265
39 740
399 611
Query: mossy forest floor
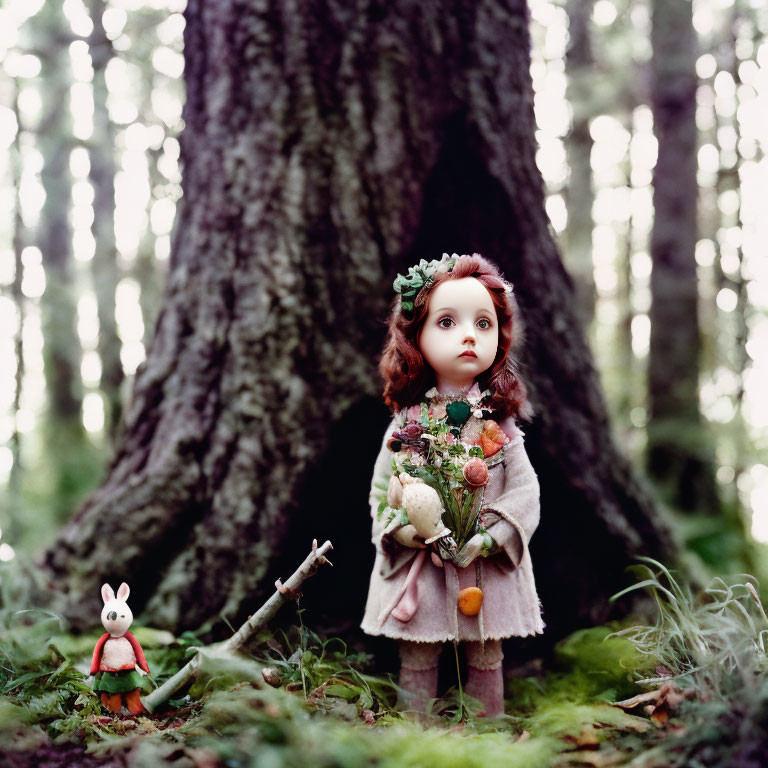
323 708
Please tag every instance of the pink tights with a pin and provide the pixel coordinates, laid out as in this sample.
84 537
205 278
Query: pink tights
485 680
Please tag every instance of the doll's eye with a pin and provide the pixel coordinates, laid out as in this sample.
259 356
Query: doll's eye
484 323
445 322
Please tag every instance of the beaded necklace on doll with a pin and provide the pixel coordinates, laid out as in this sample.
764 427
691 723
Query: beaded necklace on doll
465 416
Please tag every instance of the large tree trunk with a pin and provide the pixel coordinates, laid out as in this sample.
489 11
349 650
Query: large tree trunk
325 148
679 453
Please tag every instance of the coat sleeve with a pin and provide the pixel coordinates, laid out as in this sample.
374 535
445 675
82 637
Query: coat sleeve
518 503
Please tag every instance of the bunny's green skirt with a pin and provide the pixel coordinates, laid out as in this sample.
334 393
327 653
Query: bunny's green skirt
117 682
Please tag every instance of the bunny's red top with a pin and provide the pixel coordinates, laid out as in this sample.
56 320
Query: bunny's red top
97 652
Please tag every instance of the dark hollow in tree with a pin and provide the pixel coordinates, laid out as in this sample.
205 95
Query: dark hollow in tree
328 145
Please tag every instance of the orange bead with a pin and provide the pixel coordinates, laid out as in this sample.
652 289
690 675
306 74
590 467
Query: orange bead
470 600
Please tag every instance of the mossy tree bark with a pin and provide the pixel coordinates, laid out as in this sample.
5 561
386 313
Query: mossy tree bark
324 149
680 455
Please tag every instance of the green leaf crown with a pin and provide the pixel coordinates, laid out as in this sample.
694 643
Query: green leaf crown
420 275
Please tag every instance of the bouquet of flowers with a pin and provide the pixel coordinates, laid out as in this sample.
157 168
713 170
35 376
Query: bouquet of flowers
428 447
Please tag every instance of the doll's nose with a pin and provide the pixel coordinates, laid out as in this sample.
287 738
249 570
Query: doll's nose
112 615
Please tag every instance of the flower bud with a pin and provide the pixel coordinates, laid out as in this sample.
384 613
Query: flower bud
475 473
412 431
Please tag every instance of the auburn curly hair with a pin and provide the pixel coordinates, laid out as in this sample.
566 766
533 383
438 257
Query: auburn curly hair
407 375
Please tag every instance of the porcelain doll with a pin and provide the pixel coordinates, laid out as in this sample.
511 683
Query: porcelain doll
451 380
118 660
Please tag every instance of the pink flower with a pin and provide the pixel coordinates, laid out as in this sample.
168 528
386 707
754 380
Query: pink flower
413 413
450 437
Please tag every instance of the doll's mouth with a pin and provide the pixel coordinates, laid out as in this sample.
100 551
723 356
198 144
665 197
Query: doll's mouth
468 353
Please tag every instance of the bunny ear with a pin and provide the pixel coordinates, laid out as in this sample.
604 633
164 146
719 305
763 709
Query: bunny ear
123 592
106 593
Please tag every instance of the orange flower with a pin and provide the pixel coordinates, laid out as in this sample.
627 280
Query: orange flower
492 438
475 473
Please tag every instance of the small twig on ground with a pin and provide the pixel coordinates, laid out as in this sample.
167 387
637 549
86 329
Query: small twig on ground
286 591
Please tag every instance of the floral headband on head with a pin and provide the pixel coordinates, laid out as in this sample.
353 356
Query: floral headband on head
419 275
423 274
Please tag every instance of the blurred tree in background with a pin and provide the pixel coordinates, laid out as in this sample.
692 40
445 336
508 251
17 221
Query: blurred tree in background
579 68
95 95
102 173
680 457
69 457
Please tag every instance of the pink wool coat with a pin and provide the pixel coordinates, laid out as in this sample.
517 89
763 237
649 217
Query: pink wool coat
510 604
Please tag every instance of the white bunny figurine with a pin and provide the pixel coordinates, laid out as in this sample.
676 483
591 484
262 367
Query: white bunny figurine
118 660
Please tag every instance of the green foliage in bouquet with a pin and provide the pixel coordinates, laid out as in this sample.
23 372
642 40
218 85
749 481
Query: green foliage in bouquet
439 458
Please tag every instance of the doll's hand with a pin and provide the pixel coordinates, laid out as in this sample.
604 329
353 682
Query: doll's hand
408 537
470 550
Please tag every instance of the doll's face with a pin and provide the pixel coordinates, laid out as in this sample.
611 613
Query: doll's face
460 335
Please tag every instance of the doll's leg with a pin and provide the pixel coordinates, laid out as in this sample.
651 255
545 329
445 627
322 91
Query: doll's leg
133 701
418 673
114 703
485 676
105 700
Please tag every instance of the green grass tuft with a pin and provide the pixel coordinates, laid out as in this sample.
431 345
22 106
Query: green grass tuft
713 644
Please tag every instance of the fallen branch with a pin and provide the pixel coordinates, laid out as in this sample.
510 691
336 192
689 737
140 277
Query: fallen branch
284 592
